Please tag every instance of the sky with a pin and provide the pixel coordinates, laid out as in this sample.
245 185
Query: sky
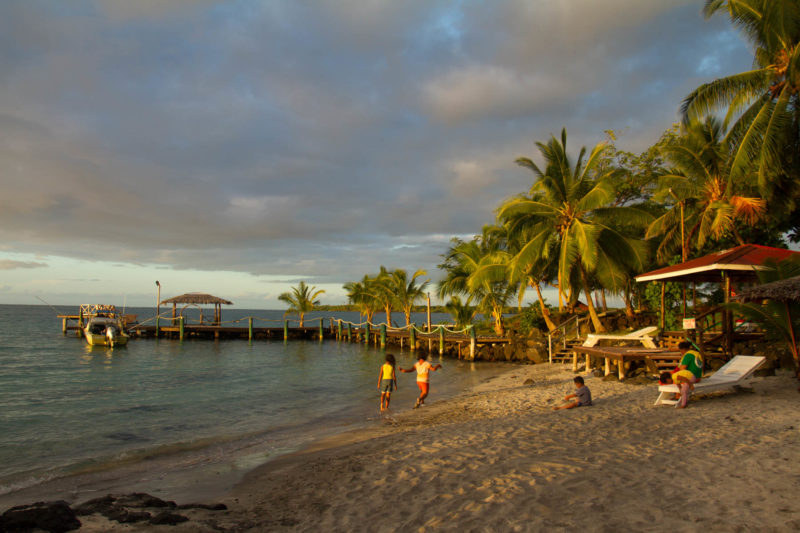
239 147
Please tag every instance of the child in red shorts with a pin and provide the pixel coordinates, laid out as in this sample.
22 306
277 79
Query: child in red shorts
422 368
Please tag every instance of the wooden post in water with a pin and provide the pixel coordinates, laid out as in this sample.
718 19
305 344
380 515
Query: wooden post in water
286 330
321 329
158 304
250 328
412 338
366 333
441 340
472 342
180 326
429 321
339 330
349 332
64 325
383 335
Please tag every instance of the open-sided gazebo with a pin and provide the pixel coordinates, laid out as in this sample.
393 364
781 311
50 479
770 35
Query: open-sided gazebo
198 298
734 265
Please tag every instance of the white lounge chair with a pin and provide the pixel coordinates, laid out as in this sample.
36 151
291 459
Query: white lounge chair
642 335
736 373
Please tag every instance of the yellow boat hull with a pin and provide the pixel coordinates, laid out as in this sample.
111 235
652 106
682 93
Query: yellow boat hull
102 340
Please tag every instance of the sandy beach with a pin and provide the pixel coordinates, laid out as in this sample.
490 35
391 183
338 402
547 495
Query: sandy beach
498 458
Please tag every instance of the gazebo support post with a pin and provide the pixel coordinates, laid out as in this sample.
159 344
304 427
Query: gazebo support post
795 353
727 316
684 299
663 307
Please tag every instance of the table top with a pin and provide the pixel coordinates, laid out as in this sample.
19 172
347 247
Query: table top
626 352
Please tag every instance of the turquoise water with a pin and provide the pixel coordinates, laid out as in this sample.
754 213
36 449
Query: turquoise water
67 407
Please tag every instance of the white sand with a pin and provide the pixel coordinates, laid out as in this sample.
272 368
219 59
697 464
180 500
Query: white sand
499 459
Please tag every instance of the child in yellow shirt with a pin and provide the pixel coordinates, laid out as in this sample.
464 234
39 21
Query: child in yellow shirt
387 379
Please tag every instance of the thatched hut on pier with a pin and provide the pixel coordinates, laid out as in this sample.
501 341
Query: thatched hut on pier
198 298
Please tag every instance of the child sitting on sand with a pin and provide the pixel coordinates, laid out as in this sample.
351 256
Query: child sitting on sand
387 379
582 396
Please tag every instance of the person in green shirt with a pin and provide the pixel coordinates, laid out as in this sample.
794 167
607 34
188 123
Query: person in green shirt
691 361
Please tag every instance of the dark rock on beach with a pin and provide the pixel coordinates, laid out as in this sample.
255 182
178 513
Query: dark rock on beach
97 505
125 516
120 508
54 517
168 518
58 516
140 499
206 506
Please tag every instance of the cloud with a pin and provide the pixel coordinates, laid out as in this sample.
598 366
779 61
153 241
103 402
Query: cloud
315 139
488 90
8 264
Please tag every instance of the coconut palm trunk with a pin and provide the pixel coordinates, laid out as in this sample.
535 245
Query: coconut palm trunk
545 312
598 326
497 314
626 295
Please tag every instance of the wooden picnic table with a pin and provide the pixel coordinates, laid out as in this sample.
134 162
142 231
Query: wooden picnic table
621 355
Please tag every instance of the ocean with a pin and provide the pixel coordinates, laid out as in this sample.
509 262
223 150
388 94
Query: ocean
194 408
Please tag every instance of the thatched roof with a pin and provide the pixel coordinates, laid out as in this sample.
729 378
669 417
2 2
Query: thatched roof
199 298
781 290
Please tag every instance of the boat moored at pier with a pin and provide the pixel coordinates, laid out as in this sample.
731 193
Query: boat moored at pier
104 327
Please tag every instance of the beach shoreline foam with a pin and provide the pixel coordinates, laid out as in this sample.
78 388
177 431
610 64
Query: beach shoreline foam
498 458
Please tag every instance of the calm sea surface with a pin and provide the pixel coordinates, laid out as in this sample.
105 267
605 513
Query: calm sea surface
67 407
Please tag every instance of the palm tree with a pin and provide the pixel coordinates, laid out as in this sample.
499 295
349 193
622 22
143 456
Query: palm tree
762 103
530 274
471 268
384 292
301 300
406 291
706 204
462 313
363 294
566 214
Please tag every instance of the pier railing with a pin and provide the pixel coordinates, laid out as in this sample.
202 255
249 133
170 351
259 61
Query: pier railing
340 329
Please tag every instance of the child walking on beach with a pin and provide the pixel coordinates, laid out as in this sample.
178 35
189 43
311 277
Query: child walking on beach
581 397
386 380
422 368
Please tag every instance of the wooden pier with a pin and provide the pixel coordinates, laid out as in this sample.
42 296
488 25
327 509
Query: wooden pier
458 344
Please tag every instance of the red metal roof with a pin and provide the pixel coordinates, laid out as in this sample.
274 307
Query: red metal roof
740 263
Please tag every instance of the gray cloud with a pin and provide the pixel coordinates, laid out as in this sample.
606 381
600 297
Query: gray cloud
315 139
